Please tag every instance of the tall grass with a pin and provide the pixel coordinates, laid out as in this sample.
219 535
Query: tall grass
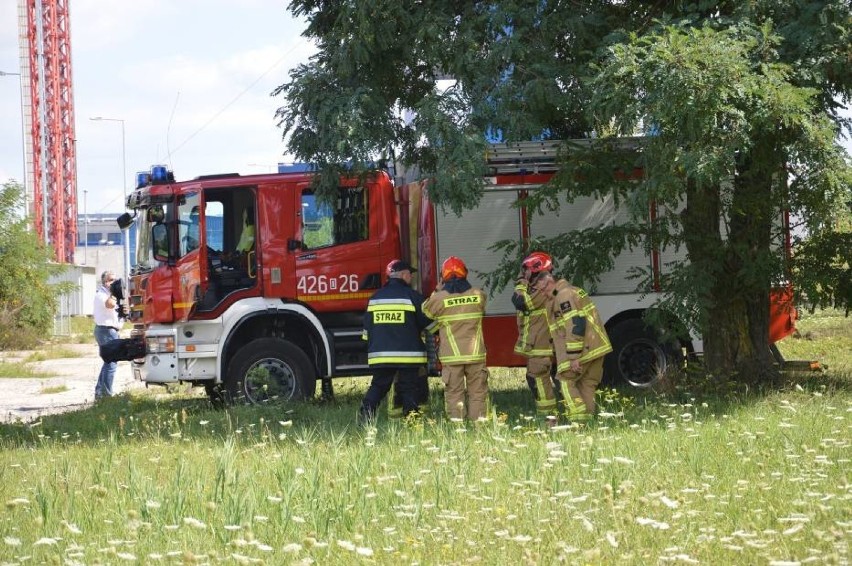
683 478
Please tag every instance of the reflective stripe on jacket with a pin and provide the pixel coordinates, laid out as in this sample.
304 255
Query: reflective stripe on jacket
392 326
533 332
458 319
576 327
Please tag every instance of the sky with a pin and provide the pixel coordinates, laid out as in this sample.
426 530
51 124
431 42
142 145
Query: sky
191 79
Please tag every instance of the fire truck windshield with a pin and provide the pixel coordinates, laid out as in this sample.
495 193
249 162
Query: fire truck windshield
154 215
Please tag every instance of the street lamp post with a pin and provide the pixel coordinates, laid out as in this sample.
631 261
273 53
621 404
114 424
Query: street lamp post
126 234
23 139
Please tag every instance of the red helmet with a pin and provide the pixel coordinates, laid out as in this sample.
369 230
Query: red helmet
453 267
538 262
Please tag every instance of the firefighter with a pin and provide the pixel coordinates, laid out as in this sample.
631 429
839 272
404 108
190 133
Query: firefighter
392 326
457 309
534 342
579 341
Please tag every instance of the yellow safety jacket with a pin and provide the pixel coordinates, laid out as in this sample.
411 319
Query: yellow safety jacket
458 319
533 332
575 326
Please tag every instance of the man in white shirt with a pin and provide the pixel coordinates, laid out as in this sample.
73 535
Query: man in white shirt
107 325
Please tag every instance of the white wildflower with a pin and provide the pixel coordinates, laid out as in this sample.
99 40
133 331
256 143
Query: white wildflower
12 541
345 544
45 541
652 523
299 471
292 547
364 551
126 556
610 538
193 522
72 528
623 460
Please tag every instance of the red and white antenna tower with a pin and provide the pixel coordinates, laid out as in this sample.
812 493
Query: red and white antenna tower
49 120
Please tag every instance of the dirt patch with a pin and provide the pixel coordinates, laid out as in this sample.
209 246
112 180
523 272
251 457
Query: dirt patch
69 385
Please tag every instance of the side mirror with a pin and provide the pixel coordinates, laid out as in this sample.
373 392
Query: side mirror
124 221
160 242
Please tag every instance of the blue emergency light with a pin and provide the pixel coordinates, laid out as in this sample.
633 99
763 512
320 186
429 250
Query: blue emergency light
159 174
143 179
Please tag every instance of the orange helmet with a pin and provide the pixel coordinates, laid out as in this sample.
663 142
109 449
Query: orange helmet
453 267
538 262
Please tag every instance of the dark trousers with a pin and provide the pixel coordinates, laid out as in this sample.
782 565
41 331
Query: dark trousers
406 388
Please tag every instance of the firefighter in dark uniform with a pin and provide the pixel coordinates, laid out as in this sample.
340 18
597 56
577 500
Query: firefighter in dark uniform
392 327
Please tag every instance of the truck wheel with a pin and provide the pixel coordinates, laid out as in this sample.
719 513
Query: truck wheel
269 370
638 358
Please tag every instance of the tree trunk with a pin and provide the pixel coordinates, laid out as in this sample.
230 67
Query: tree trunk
735 298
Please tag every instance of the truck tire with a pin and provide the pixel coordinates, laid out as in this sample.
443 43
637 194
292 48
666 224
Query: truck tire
638 358
269 370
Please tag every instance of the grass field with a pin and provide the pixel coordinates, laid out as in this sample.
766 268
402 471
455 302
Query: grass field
684 477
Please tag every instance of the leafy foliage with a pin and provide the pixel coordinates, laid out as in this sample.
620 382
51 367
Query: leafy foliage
726 118
27 300
737 100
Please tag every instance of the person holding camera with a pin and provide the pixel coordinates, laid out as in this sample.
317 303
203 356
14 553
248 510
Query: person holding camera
107 325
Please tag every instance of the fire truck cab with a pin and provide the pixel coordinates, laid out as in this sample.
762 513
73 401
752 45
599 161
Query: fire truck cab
252 286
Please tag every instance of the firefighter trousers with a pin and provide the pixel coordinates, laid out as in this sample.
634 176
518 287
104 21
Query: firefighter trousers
466 390
395 399
579 402
541 383
383 378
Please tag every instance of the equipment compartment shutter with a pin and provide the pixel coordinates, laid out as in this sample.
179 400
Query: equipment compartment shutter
470 236
588 212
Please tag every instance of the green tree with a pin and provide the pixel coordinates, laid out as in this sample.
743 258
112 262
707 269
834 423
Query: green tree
27 300
741 98
735 142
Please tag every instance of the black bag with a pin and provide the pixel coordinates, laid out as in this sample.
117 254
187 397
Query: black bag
122 350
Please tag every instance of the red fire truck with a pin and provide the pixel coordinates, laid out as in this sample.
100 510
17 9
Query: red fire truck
254 288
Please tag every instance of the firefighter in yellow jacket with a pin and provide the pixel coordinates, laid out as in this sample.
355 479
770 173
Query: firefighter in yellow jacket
457 309
579 341
534 341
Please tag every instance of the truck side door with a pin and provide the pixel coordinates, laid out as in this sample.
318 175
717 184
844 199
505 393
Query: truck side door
187 291
338 265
